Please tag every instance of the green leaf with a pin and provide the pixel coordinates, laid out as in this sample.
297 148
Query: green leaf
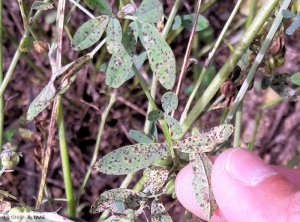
287 14
131 158
113 35
38 5
176 23
129 39
280 83
188 20
118 68
100 5
160 56
153 130
117 201
295 78
202 167
26 44
138 62
159 213
89 33
139 137
173 124
205 142
155 115
150 11
169 101
292 28
59 83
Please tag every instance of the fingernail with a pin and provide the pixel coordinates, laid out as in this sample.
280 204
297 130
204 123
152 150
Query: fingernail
246 167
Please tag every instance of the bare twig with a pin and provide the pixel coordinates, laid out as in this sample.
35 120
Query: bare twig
188 52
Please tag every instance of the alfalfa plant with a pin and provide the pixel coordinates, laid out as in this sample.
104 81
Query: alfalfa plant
161 160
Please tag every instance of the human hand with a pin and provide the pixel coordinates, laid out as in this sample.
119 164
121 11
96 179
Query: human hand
246 189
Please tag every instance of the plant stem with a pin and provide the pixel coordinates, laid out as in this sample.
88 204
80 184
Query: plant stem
17 54
238 125
97 146
225 71
83 9
257 61
208 60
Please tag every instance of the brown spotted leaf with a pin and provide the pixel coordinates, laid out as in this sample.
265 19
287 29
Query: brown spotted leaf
129 39
169 101
158 176
26 44
119 67
160 56
202 183
205 142
113 35
89 33
131 158
150 11
159 213
173 124
118 201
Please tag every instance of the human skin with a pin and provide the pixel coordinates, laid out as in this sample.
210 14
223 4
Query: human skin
246 189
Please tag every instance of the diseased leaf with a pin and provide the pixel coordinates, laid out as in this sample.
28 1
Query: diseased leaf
138 62
100 5
205 142
155 115
176 23
129 39
159 213
59 83
115 218
118 68
89 33
131 158
287 14
139 137
292 28
150 11
158 176
202 167
173 124
169 101
118 201
39 5
188 20
279 84
113 35
295 78
26 44
160 55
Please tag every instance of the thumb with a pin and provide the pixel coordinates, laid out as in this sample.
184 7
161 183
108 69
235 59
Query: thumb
247 189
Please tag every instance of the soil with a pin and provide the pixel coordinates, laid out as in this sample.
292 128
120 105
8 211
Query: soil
277 139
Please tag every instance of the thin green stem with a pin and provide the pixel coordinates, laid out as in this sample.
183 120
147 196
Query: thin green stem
238 117
225 71
238 125
65 159
17 55
208 60
97 146
1 78
257 61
